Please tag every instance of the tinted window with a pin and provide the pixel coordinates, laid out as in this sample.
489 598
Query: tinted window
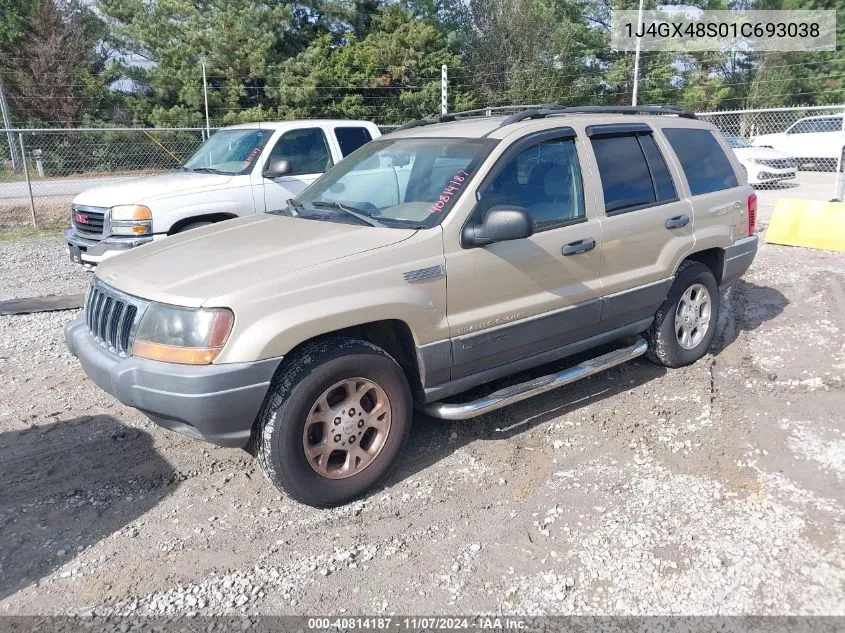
545 179
351 138
704 163
663 184
625 178
306 149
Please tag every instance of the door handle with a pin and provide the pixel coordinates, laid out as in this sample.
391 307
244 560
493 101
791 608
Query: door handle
581 246
677 222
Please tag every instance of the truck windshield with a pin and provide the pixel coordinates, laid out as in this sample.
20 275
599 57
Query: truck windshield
229 152
405 182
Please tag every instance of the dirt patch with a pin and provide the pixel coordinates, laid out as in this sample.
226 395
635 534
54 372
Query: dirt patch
711 489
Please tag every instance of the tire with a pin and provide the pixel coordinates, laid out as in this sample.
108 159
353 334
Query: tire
673 347
193 225
305 408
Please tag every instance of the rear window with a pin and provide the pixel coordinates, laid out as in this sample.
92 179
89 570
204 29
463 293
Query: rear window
351 138
703 160
633 172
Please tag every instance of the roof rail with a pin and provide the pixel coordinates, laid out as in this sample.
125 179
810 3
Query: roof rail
552 109
442 118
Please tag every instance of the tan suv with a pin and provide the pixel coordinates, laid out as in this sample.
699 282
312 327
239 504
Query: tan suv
448 254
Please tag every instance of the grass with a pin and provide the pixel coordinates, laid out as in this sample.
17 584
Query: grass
18 233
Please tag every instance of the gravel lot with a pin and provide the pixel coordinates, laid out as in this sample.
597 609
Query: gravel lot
713 489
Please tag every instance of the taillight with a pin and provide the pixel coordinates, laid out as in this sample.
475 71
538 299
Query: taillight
752 214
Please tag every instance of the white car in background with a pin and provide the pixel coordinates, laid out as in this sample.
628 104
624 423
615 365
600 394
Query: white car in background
762 165
813 140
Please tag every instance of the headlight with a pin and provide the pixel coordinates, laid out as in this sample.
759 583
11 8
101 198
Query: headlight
182 335
131 219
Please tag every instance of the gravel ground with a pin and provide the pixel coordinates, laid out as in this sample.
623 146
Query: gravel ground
712 489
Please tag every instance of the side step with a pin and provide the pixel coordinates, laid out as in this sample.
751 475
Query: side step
525 390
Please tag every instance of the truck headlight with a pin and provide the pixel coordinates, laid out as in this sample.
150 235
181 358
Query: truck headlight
131 219
191 336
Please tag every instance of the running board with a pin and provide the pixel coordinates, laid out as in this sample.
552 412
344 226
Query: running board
517 393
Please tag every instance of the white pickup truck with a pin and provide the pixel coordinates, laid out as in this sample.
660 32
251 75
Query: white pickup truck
240 170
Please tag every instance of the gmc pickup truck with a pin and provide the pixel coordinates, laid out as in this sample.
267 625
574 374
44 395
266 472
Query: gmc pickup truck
238 171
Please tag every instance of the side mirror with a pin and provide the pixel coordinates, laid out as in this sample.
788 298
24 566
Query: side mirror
276 168
500 224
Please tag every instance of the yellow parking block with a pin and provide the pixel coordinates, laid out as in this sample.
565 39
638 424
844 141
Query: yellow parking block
808 223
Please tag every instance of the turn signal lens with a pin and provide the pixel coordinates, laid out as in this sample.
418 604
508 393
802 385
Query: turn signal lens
131 212
173 354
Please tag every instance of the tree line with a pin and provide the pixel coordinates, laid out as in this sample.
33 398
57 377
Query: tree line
139 62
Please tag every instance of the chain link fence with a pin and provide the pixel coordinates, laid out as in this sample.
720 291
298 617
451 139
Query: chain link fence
58 164
789 152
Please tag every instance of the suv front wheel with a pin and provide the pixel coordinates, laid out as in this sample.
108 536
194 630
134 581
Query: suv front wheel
685 323
334 421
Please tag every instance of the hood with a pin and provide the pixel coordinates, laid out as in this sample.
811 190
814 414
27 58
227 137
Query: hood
221 259
148 188
759 152
765 139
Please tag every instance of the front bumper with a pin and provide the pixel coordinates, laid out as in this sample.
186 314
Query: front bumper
215 403
95 251
738 258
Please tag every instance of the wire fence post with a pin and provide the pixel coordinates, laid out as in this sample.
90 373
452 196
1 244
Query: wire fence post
205 97
28 181
444 89
839 189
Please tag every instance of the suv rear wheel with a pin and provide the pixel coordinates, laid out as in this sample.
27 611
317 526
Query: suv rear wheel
685 323
334 421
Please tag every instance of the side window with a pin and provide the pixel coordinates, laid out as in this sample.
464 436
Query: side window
545 179
351 138
830 124
625 177
702 158
306 149
663 185
801 127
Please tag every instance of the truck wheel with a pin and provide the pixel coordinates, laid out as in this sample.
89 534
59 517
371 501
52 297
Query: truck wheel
334 421
685 323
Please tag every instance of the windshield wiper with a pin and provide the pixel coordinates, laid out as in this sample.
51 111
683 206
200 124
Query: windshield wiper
348 210
206 170
293 205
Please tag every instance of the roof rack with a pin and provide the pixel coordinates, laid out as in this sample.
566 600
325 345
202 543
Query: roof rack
442 118
552 109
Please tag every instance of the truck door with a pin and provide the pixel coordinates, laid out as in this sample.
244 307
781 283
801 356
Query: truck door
308 152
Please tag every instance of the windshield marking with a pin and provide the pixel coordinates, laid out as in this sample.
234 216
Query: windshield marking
452 187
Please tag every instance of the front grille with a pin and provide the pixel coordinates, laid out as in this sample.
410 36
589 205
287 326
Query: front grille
778 163
88 220
111 317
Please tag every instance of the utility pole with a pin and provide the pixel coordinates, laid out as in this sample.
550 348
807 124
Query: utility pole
637 55
444 89
205 95
7 123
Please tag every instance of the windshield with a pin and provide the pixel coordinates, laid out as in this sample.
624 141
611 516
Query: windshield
229 152
735 141
406 182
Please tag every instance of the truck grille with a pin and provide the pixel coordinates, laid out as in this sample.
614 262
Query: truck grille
88 220
778 163
111 317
